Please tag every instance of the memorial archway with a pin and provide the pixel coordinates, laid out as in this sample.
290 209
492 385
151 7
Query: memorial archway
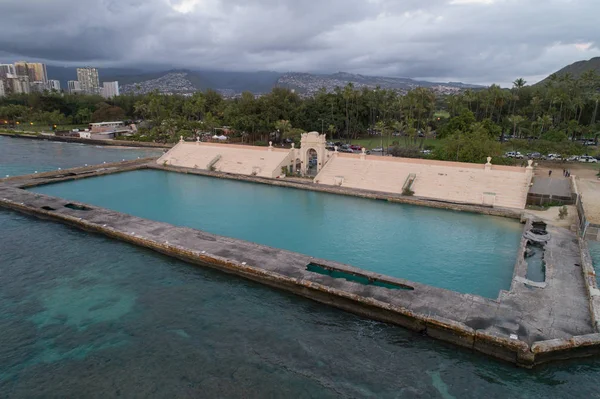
312 166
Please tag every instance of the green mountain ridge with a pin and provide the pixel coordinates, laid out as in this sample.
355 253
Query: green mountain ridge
576 69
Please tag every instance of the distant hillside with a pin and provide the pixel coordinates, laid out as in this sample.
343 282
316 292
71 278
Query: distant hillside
308 83
578 68
228 83
172 82
233 83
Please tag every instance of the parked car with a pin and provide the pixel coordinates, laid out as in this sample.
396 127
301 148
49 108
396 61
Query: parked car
587 158
356 147
426 152
590 142
348 150
514 154
534 155
574 158
554 157
378 149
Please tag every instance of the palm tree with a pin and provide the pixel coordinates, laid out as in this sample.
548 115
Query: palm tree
515 120
283 127
331 129
596 97
544 121
380 125
517 86
348 94
536 104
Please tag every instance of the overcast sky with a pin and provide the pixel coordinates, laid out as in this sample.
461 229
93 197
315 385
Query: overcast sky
475 41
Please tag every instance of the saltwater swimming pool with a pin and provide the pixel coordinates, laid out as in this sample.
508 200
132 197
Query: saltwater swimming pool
464 252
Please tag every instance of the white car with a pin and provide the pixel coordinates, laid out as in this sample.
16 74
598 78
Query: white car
554 157
574 158
514 154
587 158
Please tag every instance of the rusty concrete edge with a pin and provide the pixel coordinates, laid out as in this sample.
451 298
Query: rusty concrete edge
512 350
589 278
520 269
587 266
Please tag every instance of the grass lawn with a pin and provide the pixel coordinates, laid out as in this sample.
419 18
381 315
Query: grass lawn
441 114
374 142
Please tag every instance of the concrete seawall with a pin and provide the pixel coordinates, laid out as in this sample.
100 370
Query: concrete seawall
525 326
79 140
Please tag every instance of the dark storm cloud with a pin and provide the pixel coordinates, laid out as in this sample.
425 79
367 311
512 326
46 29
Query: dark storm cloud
470 40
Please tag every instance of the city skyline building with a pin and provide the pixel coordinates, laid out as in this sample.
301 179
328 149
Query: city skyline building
110 89
34 70
73 86
88 80
7 69
54 84
19 84
2 90
37 87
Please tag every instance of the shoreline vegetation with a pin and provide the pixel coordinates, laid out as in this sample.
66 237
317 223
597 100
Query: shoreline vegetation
559 116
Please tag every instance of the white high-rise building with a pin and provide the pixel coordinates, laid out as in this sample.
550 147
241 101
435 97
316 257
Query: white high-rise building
2 91
88 79
73 86
54 84
7 69
19 84
110 89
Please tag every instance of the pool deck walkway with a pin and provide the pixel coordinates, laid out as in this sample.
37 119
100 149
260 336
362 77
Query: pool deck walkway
526 325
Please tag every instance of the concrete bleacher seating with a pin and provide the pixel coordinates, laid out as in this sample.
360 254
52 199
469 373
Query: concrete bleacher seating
500 186
239 159
493 185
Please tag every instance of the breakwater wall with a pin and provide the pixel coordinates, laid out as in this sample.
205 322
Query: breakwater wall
79 140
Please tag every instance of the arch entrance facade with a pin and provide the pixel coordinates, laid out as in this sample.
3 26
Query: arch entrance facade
313 153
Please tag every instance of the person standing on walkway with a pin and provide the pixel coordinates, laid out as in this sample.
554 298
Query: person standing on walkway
549 173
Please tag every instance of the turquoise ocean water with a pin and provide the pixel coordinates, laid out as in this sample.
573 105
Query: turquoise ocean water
85 316
24 156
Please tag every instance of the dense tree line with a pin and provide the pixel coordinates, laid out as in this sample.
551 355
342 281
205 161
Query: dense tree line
552 115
